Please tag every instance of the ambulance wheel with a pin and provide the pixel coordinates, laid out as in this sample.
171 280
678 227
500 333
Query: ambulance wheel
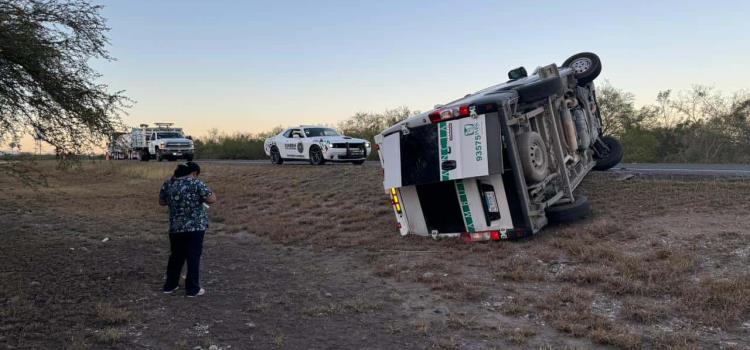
540 89
533 154
569 212
586 67
608 158
316 156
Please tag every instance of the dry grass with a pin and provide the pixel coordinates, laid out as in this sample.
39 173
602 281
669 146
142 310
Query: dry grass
422 327
112 315
279 340
643 310
570 311
718 302
518 335
463 322
109 335
352 306
658 251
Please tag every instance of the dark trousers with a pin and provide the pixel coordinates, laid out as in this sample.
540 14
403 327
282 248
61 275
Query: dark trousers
185 246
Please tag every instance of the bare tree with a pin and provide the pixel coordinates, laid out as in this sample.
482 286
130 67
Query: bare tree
46 84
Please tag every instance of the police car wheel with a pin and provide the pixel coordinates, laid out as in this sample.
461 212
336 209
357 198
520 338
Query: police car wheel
316 156
276 156
533 154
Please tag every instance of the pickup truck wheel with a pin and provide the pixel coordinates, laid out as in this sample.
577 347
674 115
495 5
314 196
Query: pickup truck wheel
569 212
533 154
276 156
609 158
586 67
358 162
540 89
316 156
159 157
145 157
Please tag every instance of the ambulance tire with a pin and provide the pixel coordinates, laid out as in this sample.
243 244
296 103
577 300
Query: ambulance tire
586 67
533 155
569 212
540 89
611 157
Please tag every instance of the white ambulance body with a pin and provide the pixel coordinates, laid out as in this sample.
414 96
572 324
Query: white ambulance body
502 162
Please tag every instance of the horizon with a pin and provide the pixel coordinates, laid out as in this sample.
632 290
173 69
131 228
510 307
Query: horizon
248 67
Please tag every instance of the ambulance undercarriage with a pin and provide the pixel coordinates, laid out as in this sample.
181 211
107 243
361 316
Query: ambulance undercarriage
501 163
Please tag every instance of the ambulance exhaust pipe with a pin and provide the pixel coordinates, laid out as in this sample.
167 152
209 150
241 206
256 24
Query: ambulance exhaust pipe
570 130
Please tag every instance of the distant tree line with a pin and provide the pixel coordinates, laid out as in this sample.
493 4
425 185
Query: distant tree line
701 125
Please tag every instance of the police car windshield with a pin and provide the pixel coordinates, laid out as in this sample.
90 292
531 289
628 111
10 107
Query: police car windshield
169 135
315 132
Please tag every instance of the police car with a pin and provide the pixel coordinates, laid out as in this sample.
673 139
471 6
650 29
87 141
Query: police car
317 145
502 162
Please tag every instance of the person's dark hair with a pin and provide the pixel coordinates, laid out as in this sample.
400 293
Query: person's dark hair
181 170
194 167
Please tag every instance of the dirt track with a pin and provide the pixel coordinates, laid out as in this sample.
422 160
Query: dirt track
294 262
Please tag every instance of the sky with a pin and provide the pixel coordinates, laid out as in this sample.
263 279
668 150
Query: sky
251 65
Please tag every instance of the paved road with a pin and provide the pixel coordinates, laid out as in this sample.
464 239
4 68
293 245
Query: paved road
685 169
650 168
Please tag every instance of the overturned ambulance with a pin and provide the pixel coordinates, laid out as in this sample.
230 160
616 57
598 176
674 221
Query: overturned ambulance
503 162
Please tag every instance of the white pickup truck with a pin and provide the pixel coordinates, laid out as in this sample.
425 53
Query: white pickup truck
161 142
503 162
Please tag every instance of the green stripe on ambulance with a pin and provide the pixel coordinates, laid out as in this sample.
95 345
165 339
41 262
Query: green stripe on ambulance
464 201
444 149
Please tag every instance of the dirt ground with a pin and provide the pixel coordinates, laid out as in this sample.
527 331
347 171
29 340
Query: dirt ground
302 257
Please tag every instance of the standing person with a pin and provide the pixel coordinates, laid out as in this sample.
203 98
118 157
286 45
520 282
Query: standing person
187 198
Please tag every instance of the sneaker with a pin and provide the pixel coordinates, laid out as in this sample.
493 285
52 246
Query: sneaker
171 291
200 292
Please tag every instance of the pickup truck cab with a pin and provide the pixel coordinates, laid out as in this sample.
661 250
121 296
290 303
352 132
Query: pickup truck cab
161 142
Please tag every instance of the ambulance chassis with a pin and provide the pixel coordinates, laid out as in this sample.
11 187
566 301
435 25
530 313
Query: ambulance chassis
503 162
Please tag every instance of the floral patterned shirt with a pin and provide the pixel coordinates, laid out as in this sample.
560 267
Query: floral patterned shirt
185 197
